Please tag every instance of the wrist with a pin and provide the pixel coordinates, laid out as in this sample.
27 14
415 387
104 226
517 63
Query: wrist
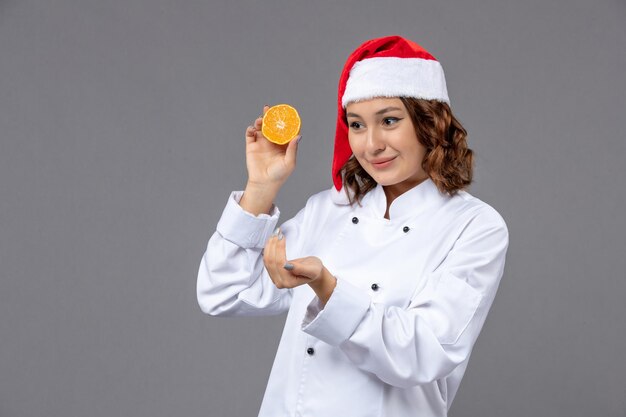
324 285
258 199
263 187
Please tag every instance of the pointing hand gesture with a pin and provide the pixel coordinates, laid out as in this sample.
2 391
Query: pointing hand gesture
289 274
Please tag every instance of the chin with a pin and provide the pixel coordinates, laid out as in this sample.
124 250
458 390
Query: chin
385 181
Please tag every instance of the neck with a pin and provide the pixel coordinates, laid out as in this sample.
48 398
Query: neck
396 190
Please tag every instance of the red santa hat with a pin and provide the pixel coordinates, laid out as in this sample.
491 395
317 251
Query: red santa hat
384 67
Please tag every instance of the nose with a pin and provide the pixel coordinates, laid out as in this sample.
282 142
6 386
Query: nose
375 142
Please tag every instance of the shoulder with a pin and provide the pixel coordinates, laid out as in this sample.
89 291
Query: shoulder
485 210
322 206
328 199
474 214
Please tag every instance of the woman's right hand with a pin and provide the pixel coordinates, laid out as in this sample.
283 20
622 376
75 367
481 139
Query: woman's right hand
269 165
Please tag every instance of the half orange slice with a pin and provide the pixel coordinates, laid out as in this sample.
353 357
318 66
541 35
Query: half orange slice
281 123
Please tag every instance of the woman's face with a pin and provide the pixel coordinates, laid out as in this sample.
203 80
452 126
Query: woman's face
384 142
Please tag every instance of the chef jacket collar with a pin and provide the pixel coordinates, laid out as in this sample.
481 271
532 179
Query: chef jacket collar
411 203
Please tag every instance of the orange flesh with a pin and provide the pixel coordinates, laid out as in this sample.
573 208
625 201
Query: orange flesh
281 123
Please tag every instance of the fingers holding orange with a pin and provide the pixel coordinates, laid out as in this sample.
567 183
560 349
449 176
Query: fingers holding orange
258 122
250 134
253 131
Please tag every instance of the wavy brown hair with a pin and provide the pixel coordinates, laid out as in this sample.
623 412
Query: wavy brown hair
448 161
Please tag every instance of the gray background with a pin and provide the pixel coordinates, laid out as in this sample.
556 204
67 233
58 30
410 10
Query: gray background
121 127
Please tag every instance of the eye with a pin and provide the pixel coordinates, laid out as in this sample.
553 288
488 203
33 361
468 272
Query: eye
388 121
355 125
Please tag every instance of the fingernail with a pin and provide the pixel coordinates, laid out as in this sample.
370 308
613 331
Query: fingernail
288 266
276 231
298 140
280 235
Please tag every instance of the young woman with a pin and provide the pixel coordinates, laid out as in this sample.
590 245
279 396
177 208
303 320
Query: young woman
388 276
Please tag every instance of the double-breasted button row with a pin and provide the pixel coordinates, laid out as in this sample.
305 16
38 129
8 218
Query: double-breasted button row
310 351
375 287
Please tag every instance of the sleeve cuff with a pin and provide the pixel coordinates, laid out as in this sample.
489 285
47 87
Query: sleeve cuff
244 229
343 312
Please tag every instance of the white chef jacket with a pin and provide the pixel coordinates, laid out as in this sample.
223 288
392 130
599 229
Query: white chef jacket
412 294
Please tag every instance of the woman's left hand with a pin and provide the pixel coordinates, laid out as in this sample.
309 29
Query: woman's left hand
289 274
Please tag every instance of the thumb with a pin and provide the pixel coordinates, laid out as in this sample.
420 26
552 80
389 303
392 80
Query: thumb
304 268
292 150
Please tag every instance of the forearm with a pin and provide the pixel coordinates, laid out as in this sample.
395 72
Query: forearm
258 199
231 269
396 345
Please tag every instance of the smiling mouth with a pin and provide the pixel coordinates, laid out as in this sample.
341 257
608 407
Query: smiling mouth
380 163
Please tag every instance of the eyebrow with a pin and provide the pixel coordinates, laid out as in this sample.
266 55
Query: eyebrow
382 111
